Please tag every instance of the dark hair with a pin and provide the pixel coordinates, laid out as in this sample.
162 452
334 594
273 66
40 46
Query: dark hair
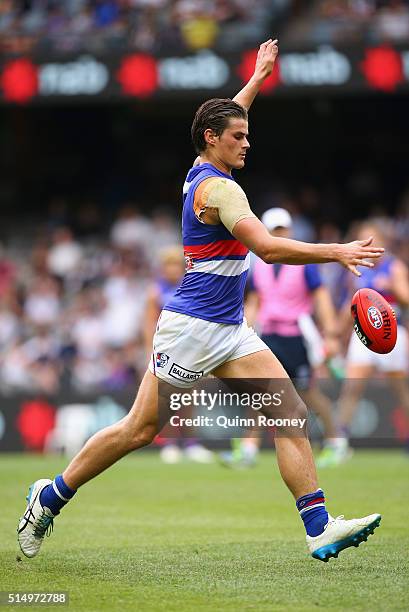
214 115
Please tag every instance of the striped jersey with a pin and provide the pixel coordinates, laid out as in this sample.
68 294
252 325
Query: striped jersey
216 263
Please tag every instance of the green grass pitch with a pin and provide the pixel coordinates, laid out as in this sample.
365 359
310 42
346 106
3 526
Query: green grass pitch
147 536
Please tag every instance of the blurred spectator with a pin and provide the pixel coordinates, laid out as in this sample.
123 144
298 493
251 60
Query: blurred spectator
131 231
65 255
87 329
334 21
9 326
392 21
7 273
165 233
42 304
125 294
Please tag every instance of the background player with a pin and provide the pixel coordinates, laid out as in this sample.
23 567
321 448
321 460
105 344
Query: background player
389 277
202 331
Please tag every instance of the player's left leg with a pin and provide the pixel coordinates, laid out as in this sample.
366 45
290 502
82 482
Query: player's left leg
326 536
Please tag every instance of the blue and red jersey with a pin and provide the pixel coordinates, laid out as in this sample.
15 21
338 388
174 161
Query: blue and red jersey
216 263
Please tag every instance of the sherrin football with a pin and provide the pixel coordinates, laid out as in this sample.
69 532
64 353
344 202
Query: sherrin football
374 321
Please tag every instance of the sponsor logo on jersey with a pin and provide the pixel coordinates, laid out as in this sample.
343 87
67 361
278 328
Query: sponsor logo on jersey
375 317
161 360
176 371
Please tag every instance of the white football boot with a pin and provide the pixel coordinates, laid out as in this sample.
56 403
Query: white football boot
339 534
36 522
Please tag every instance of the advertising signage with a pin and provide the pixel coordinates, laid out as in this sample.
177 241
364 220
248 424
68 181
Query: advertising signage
29 80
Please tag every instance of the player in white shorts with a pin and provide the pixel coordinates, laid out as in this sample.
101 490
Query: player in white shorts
390 277
186 348
202 328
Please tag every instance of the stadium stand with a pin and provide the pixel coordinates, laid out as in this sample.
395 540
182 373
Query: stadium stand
149 25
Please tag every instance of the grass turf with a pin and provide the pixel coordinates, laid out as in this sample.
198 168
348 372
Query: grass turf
147 536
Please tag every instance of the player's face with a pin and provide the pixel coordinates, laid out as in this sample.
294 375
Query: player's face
231 147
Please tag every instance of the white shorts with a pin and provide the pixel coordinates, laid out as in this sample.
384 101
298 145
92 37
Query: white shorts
395 361
187 348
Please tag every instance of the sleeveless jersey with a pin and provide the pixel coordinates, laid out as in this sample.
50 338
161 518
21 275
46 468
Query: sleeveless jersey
216 263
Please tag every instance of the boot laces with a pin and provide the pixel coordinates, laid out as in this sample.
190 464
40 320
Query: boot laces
44 525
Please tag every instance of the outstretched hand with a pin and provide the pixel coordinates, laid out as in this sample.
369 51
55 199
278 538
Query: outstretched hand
357 253
266 57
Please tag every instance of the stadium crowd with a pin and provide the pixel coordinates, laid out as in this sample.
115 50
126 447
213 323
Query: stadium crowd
72 305
71 308
155 25
149 25
349 21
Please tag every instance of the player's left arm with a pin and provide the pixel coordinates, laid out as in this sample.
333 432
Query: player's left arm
400 282
266 58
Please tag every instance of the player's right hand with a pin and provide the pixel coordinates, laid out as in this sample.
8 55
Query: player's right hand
357 253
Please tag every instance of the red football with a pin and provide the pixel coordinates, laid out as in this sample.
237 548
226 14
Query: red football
374 321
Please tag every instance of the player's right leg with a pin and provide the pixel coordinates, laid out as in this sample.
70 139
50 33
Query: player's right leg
46 498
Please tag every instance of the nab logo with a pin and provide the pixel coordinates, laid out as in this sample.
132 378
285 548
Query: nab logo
374 317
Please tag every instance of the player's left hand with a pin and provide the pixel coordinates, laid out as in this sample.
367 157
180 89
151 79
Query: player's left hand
266 57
